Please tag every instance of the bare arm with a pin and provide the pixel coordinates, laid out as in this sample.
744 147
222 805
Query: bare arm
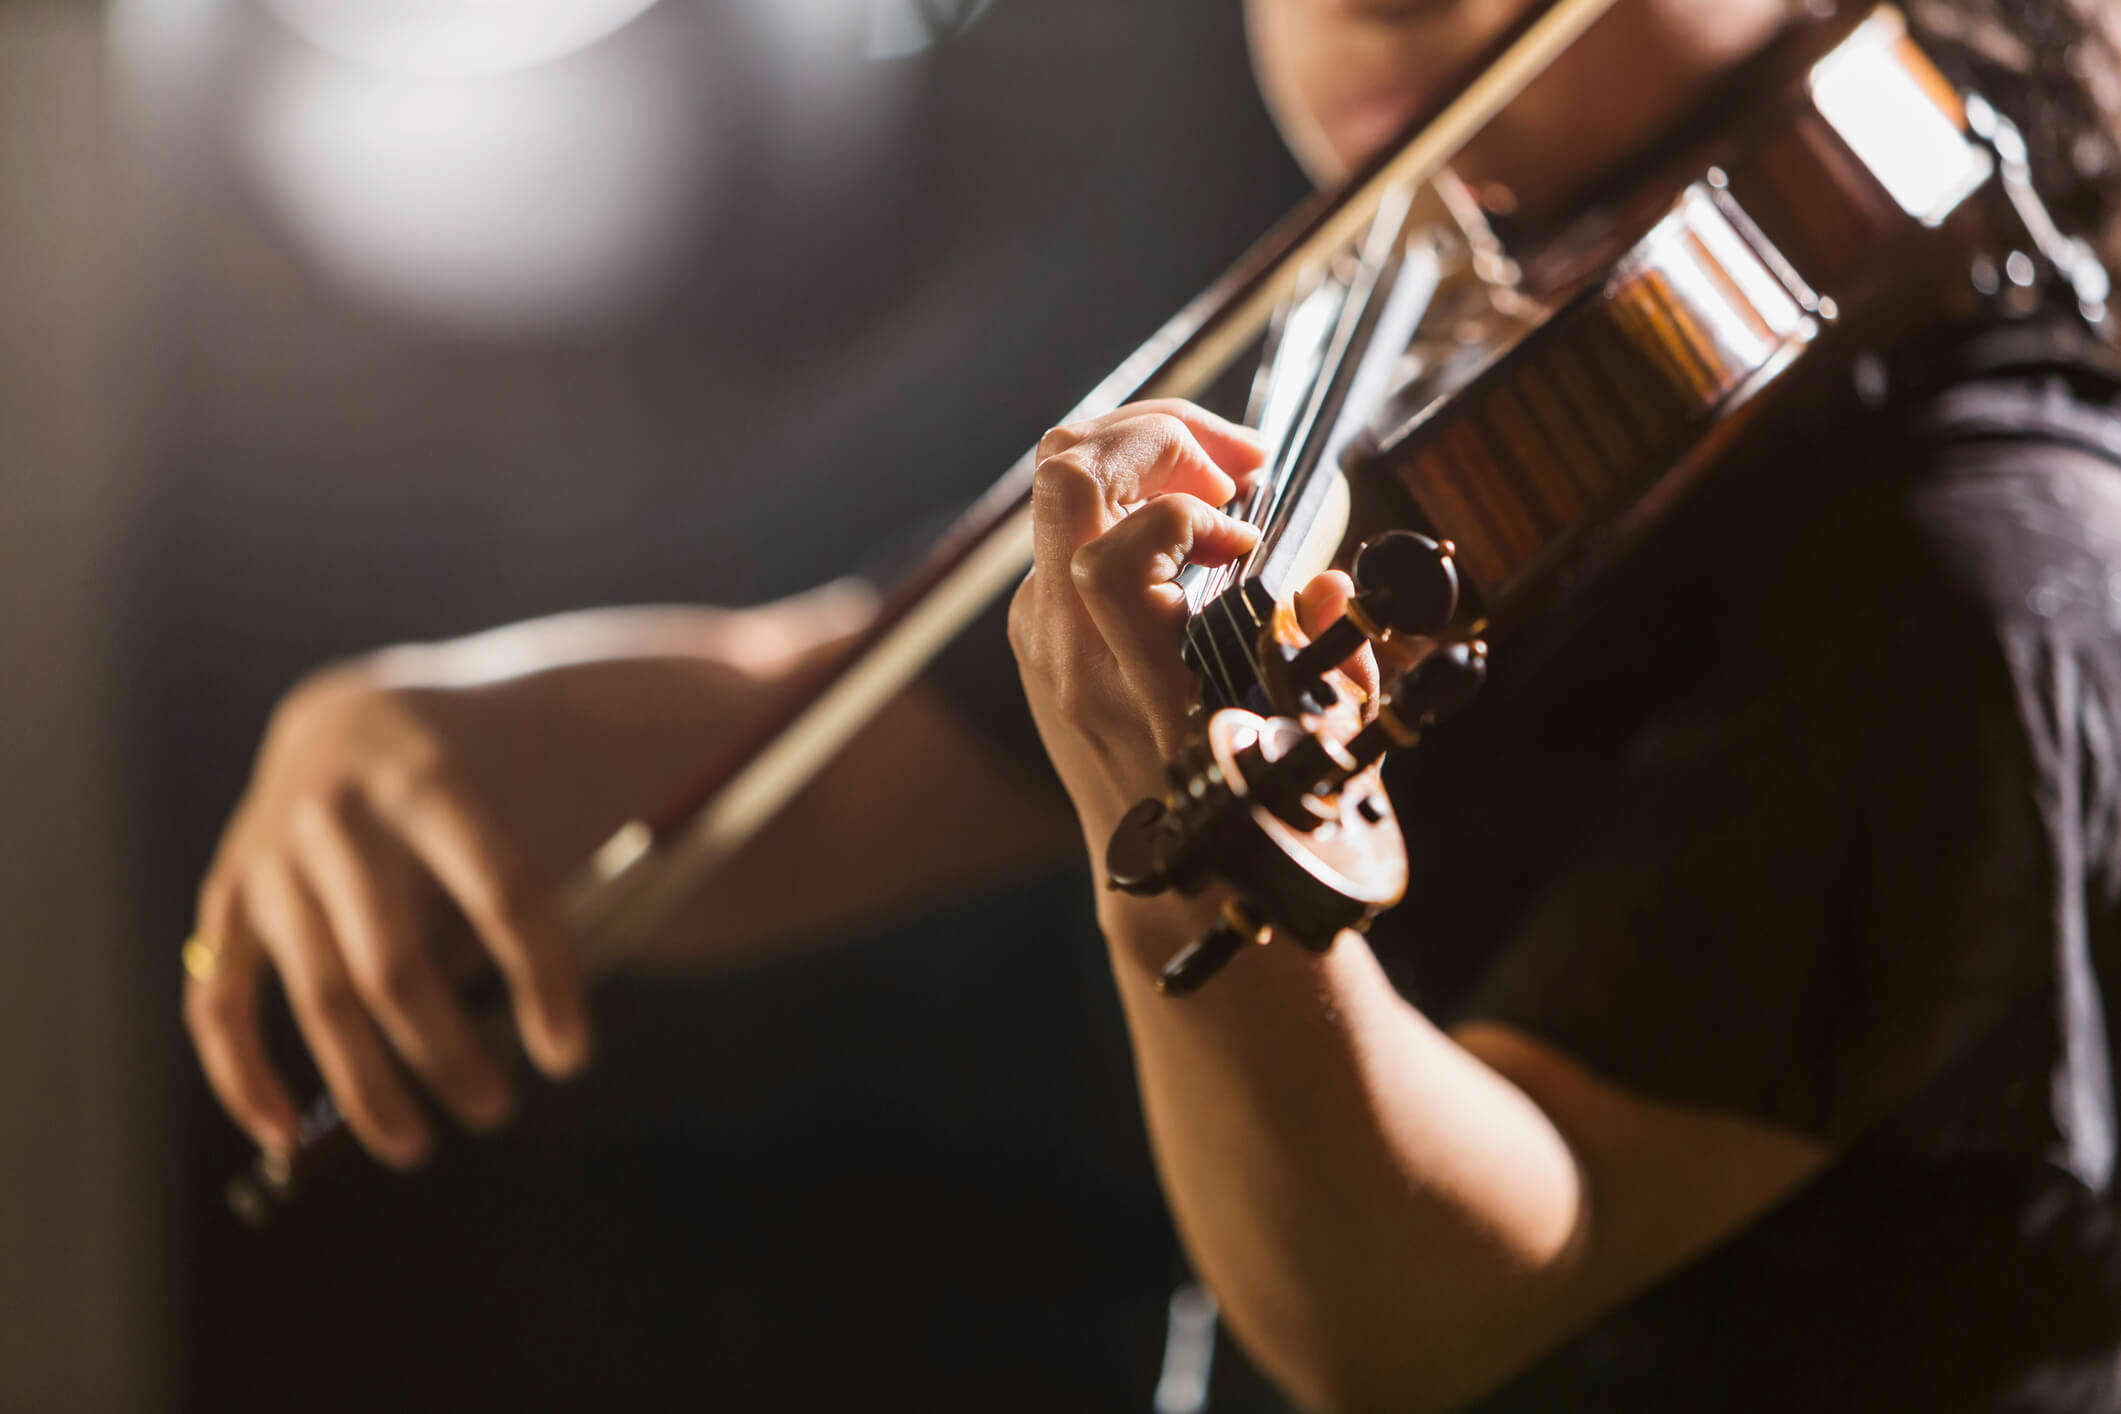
1394 1218
919 807
480 772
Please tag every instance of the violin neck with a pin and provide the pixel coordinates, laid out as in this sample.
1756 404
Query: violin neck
1332 360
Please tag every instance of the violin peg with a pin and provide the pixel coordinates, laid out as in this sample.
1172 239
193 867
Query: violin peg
1137 855
1238 928
1405 585
1433 689
1441 684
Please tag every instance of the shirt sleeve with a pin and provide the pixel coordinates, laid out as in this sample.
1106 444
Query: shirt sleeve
1877 825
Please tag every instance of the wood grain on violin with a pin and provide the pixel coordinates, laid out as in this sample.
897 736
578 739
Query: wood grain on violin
1574 437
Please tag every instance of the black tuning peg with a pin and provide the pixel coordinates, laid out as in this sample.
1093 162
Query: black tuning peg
1139 858
1405 584
1284 813
1433 689
1441 684
1195 963
1238 811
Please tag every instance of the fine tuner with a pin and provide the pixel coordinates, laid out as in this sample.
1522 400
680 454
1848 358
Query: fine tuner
1289 816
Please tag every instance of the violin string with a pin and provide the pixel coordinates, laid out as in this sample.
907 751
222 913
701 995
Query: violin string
1285 345
1321 314
1290 352
1338 307
1382 306
1366 284
1351 300
1302 364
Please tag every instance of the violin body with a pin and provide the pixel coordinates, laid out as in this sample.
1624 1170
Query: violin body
1853 207
1843 214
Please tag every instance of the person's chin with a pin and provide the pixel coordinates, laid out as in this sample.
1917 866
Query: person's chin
1359 129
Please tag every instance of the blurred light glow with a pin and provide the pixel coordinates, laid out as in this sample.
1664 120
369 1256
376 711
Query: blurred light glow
441 38
1891 122
156 41
555 195
899 29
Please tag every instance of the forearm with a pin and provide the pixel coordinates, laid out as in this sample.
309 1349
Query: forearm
1394 1218
762 641
916 810
625 705
1388 1222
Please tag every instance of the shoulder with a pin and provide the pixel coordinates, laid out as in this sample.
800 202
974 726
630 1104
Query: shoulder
2015 505
1968 533
1836 853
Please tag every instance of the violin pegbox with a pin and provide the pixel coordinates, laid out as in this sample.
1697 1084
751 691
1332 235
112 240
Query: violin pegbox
1290 816
1406 593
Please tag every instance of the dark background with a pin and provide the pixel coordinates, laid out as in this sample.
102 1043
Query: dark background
905 1171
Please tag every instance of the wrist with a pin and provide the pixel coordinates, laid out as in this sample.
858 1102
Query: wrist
1144 934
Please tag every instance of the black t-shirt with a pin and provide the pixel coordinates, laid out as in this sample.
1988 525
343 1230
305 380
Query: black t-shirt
1815 815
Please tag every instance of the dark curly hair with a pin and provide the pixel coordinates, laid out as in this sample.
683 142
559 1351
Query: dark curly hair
2053 66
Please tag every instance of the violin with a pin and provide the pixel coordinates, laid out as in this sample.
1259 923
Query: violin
1858 206
1544 406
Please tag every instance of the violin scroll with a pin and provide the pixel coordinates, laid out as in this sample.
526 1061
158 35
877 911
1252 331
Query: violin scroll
1292 818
